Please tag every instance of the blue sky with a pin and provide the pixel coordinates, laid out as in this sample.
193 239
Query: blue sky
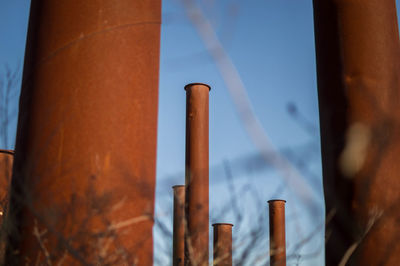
271 44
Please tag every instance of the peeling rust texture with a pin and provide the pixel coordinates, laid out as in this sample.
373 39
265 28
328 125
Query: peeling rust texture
222 244
84 174
358 57
277 236
178 245
196 176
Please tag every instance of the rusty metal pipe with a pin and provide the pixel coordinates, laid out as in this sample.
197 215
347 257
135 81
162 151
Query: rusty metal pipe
358 69
222 248
84 171
277 238
196 175
178 245
6 164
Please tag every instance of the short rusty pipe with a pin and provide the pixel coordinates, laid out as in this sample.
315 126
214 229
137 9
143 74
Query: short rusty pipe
277 239
178 245
196 175
222 248
6 164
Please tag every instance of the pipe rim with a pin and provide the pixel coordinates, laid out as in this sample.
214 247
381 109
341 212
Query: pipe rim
11 152
276 200
176 186
197 83
216 224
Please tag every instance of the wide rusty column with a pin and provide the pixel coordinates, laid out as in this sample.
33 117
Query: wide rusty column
196 210
84 172
358 67
277 236
178 245
222 244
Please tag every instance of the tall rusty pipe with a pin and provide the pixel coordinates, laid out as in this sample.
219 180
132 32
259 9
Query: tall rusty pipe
84 171
222 244
196 176
358 67
178 245
277 236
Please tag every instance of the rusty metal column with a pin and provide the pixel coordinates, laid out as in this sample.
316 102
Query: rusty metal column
222 248
84 171
178 245
197 214
358 67
277 238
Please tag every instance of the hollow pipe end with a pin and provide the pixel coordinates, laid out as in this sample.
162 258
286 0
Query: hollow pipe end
11 152
177 186
216 224
197 83
275 200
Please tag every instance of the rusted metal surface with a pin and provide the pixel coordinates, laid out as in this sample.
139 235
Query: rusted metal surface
277 238
358 63
84 173
222 248
6 164
196 210
178 245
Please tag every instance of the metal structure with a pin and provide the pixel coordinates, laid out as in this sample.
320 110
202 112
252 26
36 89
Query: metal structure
178 245
277 238
196 174
222 248
358 64
6 164
84 171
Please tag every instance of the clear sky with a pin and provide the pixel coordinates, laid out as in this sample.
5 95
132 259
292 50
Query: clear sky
271 44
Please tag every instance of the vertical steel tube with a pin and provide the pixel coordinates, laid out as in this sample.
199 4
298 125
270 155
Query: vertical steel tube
6 164
222 248
178 245
358 67
84 171
197 214
277 238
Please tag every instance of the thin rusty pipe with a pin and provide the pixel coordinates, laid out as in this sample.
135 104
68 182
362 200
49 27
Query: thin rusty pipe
178 245
85 159
6 164
277 238
358 70
222 248
196 175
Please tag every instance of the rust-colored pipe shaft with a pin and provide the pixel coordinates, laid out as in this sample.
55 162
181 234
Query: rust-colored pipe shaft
222 248
277 238
84 171
358 67
6 164
197 213
178 245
